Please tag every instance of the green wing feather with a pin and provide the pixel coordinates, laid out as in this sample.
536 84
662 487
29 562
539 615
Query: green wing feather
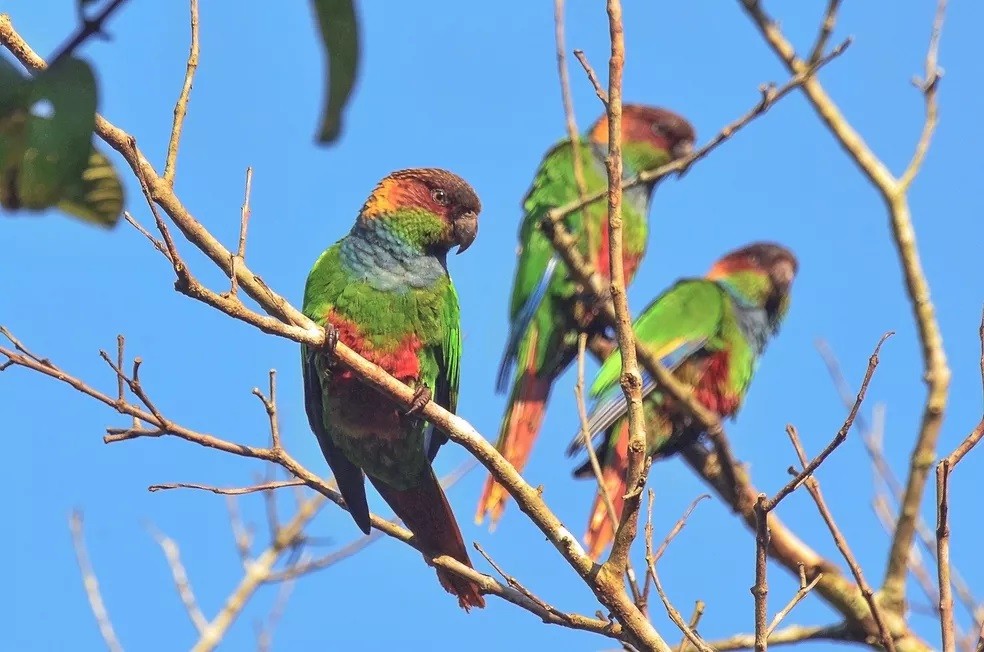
688 313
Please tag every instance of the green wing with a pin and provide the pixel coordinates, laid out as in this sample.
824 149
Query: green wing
447 354
539 272
679 322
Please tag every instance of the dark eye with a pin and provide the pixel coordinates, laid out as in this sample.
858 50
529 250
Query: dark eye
440 196
658 129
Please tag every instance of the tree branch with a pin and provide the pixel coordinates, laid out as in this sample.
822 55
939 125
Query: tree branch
893 192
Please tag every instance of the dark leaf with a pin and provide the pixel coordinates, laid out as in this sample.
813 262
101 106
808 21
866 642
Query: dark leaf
98 196
14 105
340 33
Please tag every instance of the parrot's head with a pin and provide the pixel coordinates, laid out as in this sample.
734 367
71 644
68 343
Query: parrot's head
651 136
429 208
762 273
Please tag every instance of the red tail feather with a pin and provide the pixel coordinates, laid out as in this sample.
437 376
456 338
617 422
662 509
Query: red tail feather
520 427
426 512
601 530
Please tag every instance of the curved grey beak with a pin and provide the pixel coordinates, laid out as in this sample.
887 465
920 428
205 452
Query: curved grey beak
682 149
465 230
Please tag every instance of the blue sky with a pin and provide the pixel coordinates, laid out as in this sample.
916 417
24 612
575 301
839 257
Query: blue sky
473 89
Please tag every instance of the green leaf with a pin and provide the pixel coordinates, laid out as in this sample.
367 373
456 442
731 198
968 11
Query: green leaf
14 105
340 33
98 196
58 145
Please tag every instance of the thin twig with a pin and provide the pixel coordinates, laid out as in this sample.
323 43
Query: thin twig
943 471
227 491
841 435
181 106
826 29
936 372
91 584
653 557
270 405
760 590
242 536
804 590
694 621
244 214
90 27
814 488
181 581
592 77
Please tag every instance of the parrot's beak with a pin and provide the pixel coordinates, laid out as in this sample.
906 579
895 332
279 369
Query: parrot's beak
682 149
465 230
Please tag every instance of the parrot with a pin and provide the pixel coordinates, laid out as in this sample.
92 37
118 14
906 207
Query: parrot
710 333
547 310
384 290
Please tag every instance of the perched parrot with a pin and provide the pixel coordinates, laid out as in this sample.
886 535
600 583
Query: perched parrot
547 311
710 333
384 290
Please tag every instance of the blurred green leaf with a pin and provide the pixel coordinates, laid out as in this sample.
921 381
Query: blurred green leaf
98 196
14 105
59 132
340 34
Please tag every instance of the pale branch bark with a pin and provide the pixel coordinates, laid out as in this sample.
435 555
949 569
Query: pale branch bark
893 191
91 584
181 106
943 471
181 581
631 378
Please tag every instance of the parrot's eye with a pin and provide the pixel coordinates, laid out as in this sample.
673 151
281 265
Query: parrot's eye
440 196
658 129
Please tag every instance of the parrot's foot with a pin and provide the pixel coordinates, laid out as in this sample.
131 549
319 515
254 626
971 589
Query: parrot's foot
421 397
331 344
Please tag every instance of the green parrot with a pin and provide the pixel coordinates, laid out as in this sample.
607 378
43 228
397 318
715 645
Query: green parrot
710 332
547 311
384 290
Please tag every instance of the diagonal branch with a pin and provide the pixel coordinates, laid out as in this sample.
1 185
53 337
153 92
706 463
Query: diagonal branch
181 106
91 584
893 191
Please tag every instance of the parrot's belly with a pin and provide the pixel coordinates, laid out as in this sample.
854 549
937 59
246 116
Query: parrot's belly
376 435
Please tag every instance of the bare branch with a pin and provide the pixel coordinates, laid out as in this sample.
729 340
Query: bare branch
928 86
804 590
244 214
814 488
181 581
943 471
91 584
788 636
651 558
181 106
227 491
935 370
841 435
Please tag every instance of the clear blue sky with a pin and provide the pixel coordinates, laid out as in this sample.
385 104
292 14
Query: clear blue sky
473 89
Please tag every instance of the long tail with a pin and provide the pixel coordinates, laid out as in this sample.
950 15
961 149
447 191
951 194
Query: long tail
520 426
614 462
426 512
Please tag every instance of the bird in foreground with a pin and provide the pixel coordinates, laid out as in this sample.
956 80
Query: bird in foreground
710 332
548 311
384 290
